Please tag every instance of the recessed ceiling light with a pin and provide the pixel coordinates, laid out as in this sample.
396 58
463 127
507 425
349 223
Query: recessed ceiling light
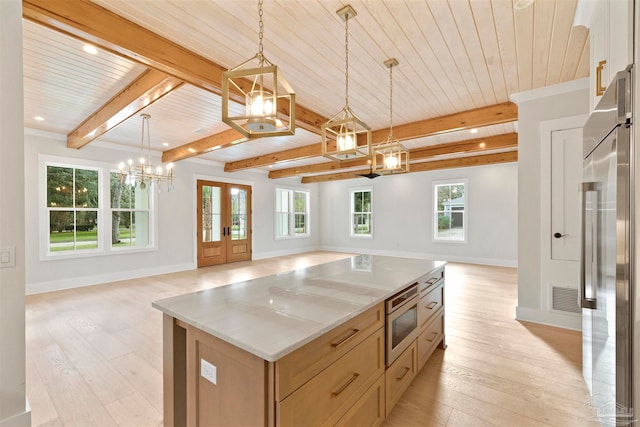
38 118
165 144
91 49
474 130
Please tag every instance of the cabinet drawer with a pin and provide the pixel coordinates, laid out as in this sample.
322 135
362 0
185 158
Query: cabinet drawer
369 410
430 303
399 375
330 394
298 367
429 339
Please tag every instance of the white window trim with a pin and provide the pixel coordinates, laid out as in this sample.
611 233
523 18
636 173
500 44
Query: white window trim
351 234
104 211
293 234
434 214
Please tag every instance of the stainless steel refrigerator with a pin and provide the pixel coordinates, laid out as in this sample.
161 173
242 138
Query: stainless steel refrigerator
607 285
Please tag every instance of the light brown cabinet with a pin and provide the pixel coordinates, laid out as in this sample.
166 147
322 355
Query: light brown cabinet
339 378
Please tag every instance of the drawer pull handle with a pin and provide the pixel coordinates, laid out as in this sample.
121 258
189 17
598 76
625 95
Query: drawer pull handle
431 305
345 385
432 336
346 338
404 374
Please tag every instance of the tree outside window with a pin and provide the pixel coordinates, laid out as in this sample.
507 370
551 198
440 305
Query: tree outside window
450 208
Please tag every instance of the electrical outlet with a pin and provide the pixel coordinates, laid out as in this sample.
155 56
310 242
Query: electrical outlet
208 371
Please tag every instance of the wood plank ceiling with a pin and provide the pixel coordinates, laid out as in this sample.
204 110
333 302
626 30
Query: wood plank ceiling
459 62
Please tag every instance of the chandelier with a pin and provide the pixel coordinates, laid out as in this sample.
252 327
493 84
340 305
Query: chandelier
390 156
144 174
345 135
258 83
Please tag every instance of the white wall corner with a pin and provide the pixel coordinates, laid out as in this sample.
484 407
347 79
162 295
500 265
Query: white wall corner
549 318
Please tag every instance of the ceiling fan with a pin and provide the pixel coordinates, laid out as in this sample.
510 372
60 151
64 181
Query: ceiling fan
371 174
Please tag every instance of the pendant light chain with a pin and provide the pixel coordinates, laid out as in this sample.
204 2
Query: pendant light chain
346 61
260 33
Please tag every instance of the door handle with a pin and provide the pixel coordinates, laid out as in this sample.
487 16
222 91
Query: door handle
558 235
224 231
599 88
585 302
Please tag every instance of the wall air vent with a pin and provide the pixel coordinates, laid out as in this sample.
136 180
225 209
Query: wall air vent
565 299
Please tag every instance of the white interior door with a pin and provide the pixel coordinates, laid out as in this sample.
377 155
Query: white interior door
561 174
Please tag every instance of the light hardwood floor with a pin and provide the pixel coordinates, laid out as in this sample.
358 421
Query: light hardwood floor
94 354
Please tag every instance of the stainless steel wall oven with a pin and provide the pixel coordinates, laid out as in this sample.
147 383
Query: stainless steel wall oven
401 322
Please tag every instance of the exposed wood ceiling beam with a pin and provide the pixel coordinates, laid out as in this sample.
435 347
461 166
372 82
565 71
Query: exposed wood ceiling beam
146 89
209 143
90 22
486 159
486 116
509 140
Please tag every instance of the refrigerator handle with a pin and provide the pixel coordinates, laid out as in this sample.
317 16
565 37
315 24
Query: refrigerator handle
584 301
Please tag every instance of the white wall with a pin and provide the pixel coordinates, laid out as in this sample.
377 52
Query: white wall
403 218
13 406
550 103
176 220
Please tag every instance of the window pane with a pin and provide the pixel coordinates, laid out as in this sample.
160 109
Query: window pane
120 191
282 224
366 201
86 230
59 187
361 224
141 230
61 235
300 202
120 228
357 201
300 224
86 188
238 214
444 195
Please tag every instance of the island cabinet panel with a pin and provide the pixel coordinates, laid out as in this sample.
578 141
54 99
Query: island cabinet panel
219 379
400 374
369 410
299 366
429 339
328 396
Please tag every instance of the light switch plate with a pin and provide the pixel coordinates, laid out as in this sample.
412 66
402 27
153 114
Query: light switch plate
208 371
7 256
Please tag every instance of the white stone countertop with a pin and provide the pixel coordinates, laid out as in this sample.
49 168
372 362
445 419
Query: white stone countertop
275 315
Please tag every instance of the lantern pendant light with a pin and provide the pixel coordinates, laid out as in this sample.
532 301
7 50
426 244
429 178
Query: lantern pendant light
345 135
390 156
258 84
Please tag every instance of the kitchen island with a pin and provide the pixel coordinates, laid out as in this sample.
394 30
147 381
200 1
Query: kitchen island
305 347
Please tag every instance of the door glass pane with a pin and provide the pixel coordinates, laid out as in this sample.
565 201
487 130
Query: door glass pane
238 214
211 213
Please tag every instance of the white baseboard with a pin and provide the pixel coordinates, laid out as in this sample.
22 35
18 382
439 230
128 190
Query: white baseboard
263 255
23 419
550 318
78 282
421 255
